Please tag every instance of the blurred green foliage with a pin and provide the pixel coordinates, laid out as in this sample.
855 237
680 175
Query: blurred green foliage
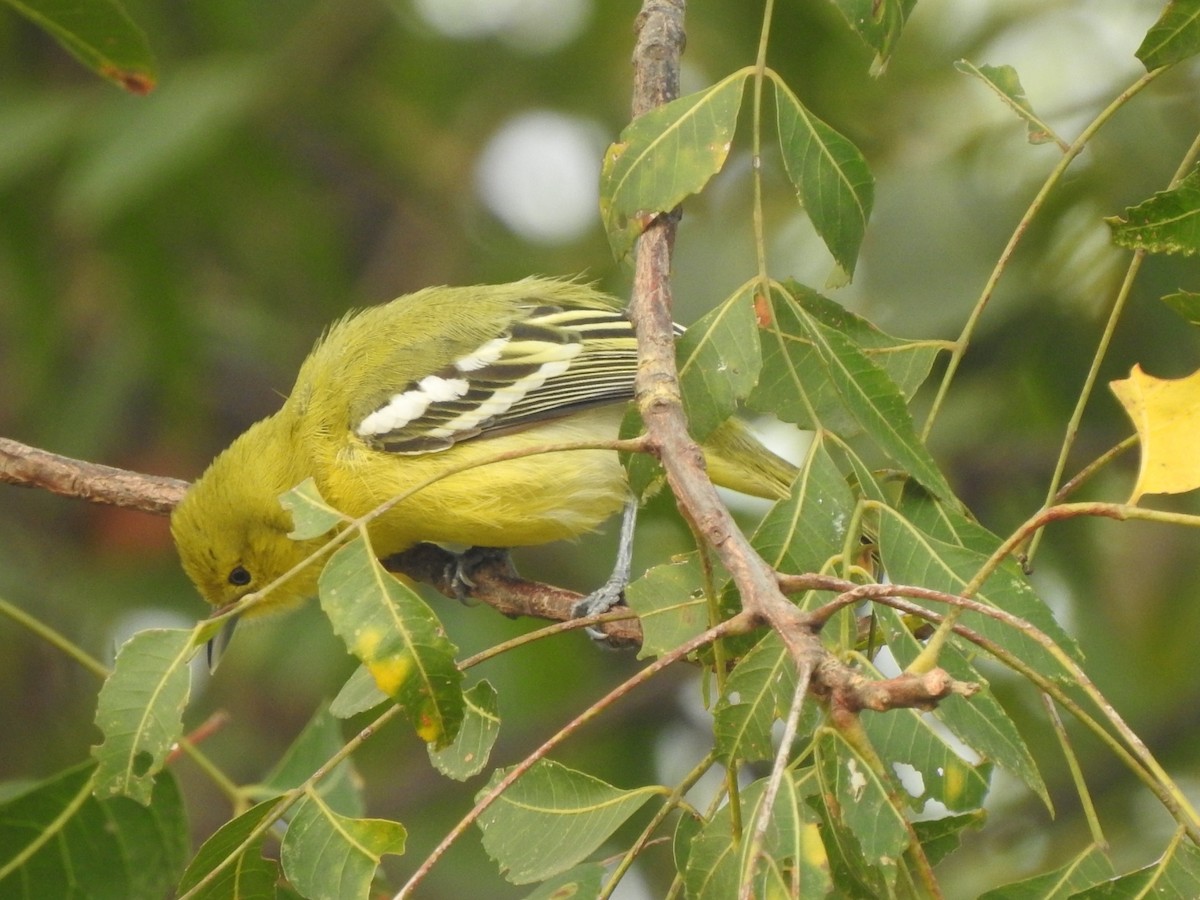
166 261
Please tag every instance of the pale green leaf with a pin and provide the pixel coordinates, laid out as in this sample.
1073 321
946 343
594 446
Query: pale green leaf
312 516
100 35
830 176
670 603
1175 874
469 752
359 694
1174 37
1090 868
552 818
1006 84
666 154
719 360
327 856
397 637
249 876
862 802
794 856
1169 222
56 838
140 711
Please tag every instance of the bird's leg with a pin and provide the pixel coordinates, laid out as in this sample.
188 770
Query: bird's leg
460 571
612 592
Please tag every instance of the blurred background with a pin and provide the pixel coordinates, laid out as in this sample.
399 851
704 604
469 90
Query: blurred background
167 261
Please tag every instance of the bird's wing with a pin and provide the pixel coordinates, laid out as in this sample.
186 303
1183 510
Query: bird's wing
544 364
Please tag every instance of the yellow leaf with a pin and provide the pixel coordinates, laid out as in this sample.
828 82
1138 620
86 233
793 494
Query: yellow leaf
1166 414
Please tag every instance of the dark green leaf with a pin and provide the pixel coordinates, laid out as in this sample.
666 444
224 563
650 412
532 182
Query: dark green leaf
878 23
140 711
829 174
320 739
1186 303
941 837
551 818
1169 222
397 637
249 876
100 35
57 840
666 154
1174 37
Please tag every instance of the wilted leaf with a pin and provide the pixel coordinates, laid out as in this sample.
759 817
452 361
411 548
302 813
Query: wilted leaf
1006 84
551 818
397 637
666 154
1166 414
56 837
327 856
829 174
140 711
1169 222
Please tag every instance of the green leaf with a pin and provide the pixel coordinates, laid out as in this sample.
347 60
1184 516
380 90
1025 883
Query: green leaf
250 876
580 883
796 384
397 637
874 401
359 694
1186 303
320 739
923 764
878 23
1088 869
327 855
805 531
1169 222
941 837
670 603
979 722
1006 84
758 693
469 753
666 154
552 818
1174 37
719 360
859 799
140 711
312 516
100 35
912 557
1174 874
829 174
716 862
57 840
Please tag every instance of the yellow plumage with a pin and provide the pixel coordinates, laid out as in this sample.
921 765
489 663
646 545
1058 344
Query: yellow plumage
399 394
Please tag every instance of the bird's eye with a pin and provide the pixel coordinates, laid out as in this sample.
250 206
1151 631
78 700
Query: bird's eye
239 576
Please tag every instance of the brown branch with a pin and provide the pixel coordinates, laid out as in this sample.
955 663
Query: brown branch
27 466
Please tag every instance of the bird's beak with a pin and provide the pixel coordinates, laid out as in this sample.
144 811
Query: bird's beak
217 645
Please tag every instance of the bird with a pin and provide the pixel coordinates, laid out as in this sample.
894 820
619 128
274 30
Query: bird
395 395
